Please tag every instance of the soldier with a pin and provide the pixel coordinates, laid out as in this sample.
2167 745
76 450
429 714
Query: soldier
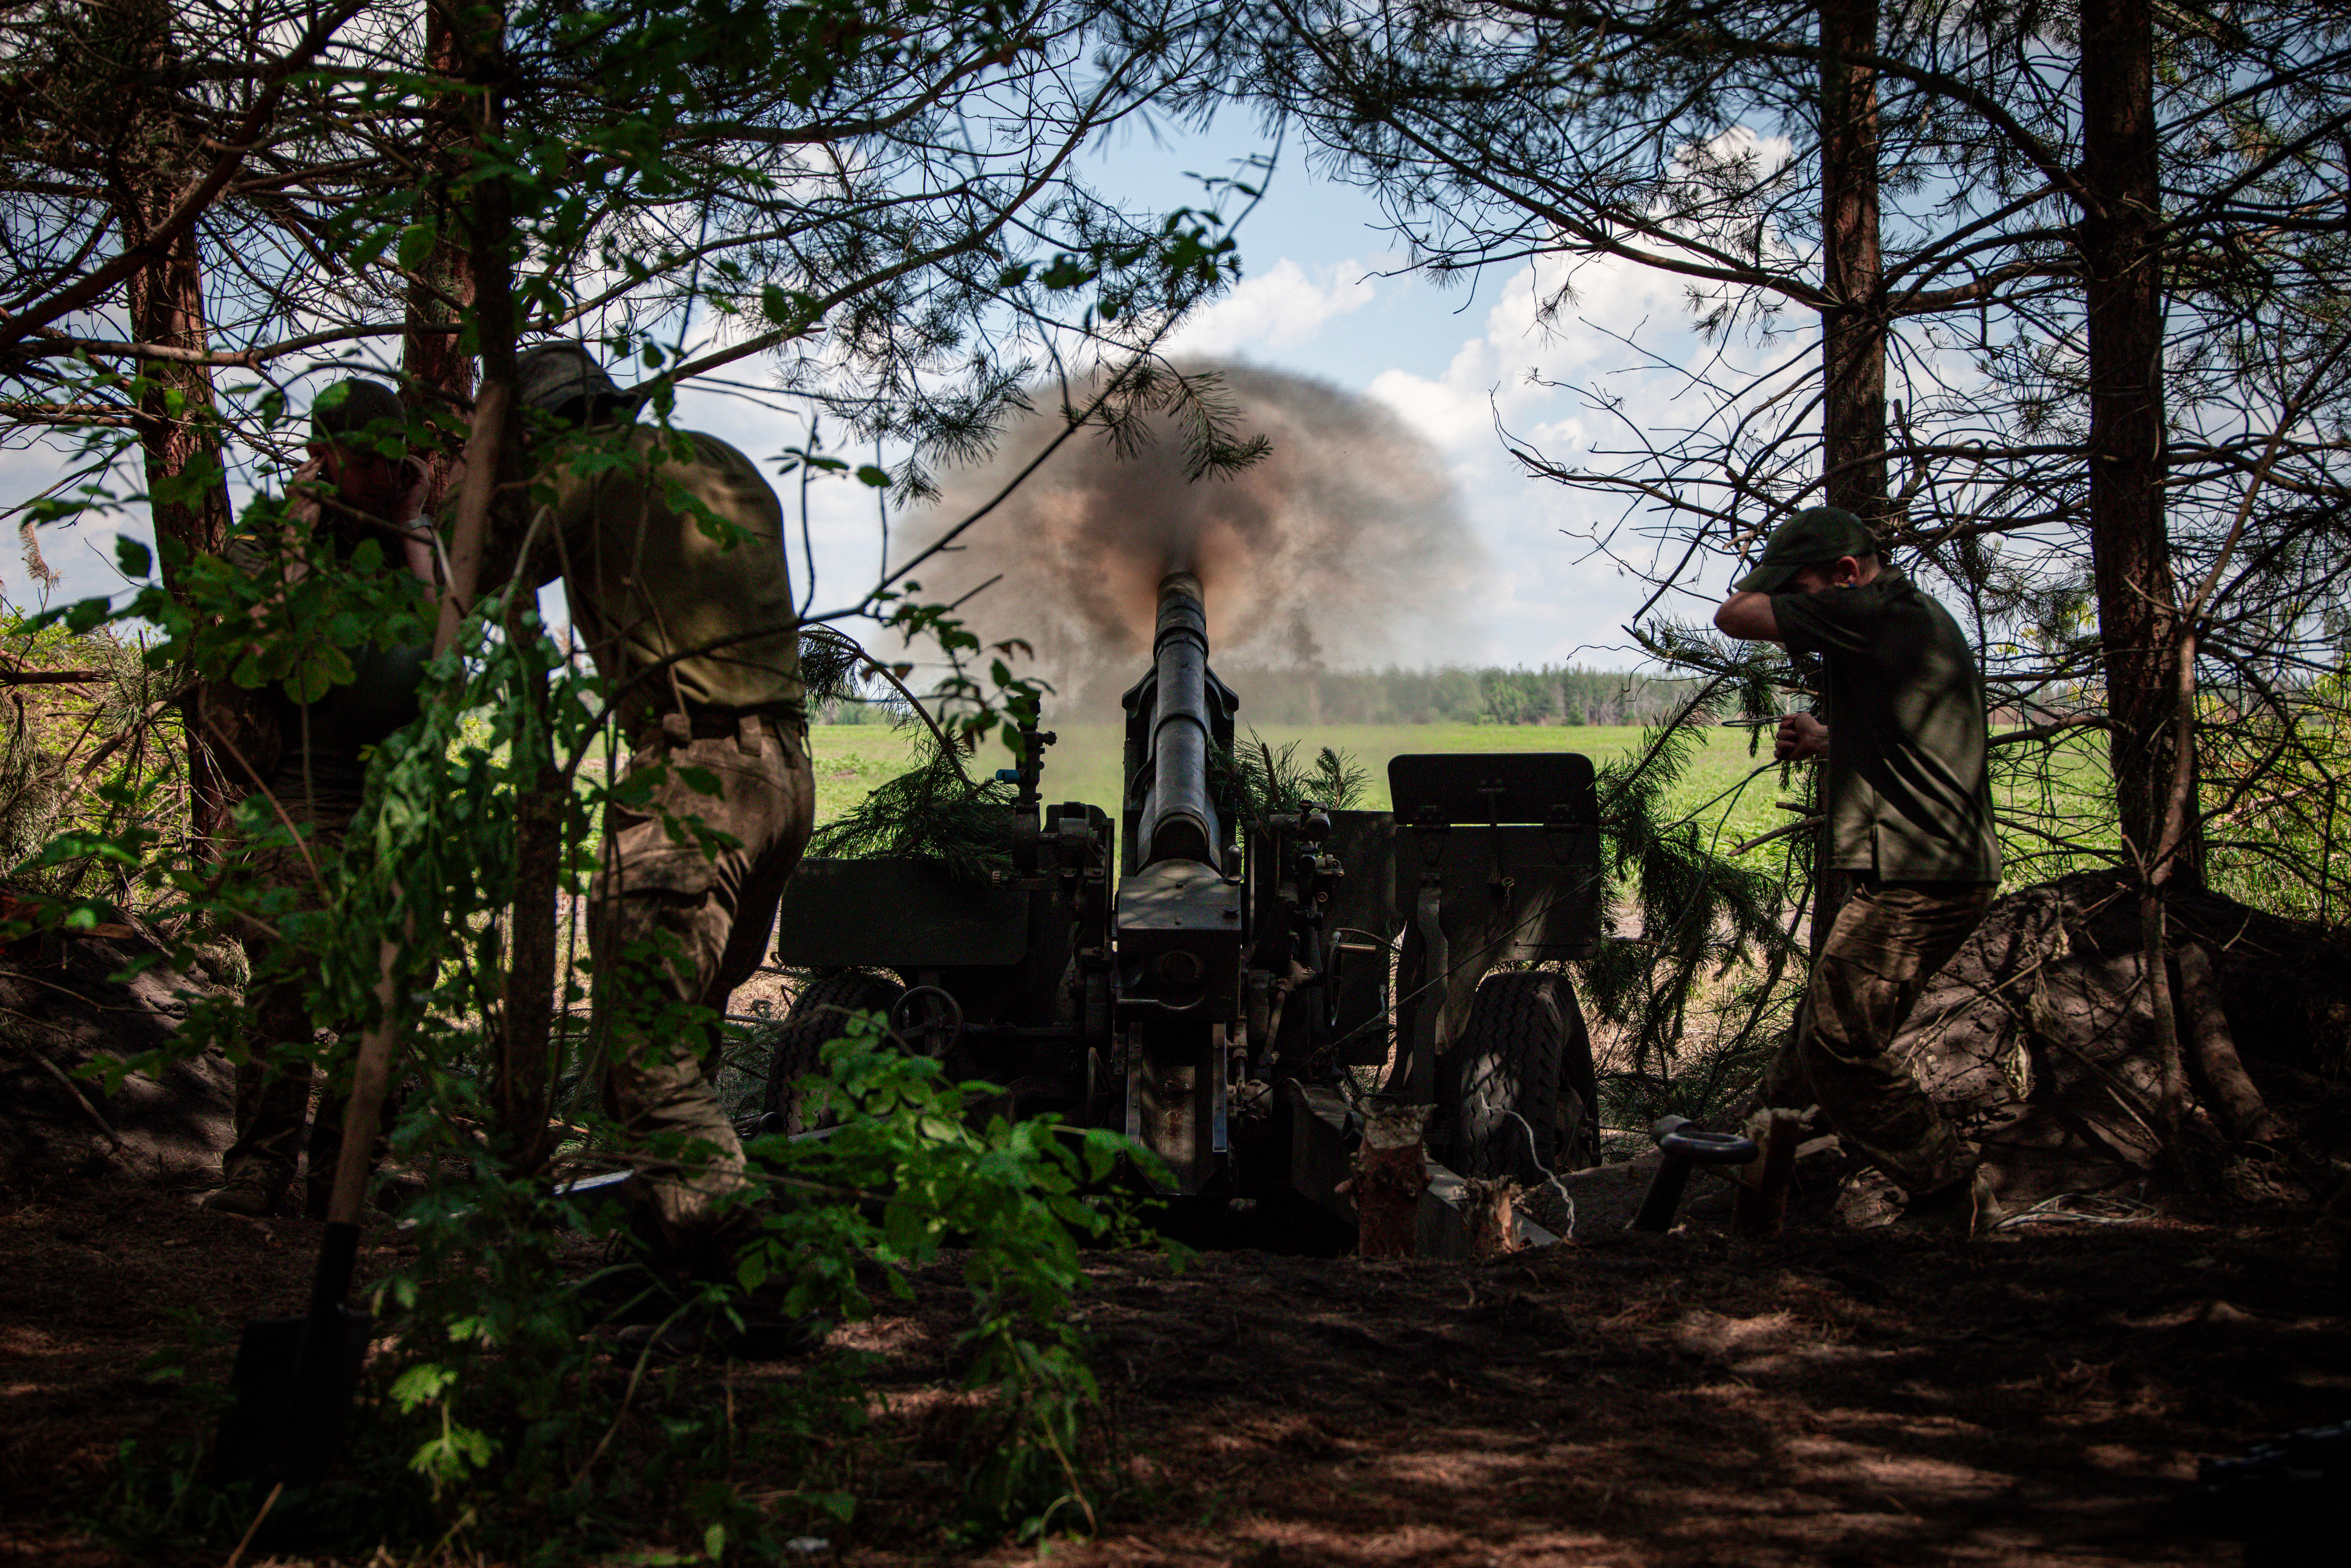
677 582
1910 821
310 762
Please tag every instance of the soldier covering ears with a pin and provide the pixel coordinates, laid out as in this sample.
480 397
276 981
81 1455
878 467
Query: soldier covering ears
1910 821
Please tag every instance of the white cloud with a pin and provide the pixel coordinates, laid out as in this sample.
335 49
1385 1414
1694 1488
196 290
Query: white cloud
1622 331
1278 308
1578 339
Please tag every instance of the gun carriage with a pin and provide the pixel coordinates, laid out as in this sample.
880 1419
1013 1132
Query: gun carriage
1236 995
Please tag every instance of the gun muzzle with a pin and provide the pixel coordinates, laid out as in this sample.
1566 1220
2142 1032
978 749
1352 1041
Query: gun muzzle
1179 821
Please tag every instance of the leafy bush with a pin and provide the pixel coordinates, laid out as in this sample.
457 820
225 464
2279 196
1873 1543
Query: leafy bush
501 1414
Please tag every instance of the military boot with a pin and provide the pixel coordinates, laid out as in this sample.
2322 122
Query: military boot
254 1188
1965 1207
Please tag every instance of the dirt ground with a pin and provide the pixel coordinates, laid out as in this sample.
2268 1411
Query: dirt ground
1834 1398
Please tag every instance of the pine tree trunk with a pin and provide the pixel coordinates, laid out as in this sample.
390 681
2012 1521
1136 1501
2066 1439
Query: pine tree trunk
178 432
437 372
1853 335
2130 548
523 1077
1852 328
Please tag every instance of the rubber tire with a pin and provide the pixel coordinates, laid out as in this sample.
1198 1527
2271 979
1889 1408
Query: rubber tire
1579 1148
815 1022
1508 1065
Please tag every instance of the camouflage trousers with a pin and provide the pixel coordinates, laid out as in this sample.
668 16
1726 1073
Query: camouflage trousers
1888 941
713 913
273 1079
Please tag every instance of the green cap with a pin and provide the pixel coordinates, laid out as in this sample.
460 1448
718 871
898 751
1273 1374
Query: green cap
1814 537
347 408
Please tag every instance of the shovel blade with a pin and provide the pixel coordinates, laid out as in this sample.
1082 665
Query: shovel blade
291 1394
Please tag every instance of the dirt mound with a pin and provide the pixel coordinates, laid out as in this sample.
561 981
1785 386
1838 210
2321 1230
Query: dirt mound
63 1007
2042 1034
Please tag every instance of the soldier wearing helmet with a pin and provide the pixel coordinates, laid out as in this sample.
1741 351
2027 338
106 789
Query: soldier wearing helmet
677 583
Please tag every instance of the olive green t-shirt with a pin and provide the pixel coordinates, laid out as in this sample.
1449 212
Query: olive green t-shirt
1908 796
676 572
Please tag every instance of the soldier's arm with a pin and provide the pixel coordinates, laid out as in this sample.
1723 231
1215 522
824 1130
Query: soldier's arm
1747 616
416 544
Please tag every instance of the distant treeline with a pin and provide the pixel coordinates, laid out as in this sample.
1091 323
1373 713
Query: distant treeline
1564 694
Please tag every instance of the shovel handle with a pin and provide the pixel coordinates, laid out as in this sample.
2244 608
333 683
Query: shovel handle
339 1255
371 1074
371 1086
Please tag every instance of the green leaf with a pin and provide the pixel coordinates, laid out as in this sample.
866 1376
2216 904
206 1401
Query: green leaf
132 558
879 478
416 243
422 1384
329 668
370 246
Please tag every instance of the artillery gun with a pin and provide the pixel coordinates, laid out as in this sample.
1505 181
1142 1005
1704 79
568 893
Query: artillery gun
1236 996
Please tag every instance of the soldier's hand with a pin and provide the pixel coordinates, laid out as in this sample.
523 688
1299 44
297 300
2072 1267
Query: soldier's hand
1800 735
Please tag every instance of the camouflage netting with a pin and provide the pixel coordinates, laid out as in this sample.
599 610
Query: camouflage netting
2041 1035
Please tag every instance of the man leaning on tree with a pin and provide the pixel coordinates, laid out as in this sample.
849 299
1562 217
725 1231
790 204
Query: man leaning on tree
1910 821
306 764
673 567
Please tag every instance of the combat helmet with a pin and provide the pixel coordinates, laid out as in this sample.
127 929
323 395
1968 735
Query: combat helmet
562 378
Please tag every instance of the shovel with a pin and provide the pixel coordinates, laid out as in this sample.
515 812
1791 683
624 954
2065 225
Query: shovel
295 1377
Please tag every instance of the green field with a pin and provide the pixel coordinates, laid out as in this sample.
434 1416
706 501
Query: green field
1731 793
851 759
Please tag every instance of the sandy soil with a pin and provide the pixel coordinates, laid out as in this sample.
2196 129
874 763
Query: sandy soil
1834 1398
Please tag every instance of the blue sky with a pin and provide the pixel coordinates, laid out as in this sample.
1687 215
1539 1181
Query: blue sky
1320 297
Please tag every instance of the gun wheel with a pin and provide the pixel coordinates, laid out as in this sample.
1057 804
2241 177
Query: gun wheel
819 1017
1519 1082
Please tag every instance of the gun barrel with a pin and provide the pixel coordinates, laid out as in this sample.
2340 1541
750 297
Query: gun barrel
1179 819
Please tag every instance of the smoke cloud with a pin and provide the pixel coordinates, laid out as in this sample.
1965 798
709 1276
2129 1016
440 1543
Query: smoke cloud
1342 545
